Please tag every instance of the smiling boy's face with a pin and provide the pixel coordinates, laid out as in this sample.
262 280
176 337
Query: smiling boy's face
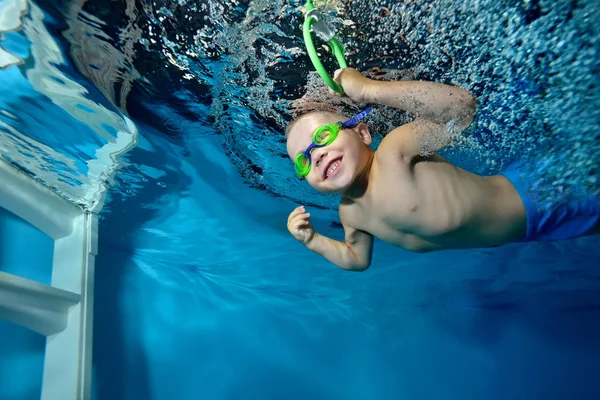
335 166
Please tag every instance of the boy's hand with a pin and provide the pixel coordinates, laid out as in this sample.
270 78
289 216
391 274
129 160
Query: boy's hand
299 225
353 83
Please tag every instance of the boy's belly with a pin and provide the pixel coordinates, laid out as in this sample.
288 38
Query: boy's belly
458 239
488 215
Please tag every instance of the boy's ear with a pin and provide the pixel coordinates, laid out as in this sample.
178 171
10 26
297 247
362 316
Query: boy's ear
363 132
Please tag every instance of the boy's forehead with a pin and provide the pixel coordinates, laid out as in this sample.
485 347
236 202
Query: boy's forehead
307 125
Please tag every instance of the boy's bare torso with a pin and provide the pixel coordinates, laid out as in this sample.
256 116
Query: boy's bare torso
425 203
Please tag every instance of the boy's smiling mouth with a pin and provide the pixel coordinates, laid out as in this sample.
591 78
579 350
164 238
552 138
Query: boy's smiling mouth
332 168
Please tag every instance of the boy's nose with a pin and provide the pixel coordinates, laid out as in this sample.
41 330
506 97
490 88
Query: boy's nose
319 154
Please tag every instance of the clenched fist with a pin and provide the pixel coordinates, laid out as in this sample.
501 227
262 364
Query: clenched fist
299 225
352 82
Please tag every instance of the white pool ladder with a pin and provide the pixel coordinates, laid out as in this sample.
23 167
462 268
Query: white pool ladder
63 312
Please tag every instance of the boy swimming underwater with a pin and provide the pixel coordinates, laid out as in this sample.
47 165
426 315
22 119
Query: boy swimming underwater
418 202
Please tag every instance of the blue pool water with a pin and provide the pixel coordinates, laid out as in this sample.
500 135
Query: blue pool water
201 292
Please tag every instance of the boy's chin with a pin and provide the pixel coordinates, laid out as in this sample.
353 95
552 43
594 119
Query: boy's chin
325 190
339 188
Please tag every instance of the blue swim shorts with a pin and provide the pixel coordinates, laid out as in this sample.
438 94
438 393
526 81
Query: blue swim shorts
564 221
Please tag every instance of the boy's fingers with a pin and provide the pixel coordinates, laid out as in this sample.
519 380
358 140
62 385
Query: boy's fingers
303 216
299 213
299 218
301 224
296 211
293 216
337 73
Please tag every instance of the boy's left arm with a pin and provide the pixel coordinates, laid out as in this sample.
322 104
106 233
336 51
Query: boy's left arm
442 110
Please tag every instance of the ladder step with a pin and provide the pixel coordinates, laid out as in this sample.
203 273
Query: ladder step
39 307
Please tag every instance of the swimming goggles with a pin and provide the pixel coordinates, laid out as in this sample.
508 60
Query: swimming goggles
324 136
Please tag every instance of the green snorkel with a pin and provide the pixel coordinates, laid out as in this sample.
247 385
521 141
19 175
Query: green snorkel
312 23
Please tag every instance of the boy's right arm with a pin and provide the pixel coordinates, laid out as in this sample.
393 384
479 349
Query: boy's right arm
354 254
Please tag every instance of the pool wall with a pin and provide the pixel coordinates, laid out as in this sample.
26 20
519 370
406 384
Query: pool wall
48 248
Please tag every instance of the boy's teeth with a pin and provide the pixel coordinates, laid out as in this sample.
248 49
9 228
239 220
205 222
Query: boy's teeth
333 167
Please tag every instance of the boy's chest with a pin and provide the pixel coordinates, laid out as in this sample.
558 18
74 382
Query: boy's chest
396 203
390 208
391 225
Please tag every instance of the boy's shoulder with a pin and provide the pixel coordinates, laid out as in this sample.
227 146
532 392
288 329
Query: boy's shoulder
399 142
